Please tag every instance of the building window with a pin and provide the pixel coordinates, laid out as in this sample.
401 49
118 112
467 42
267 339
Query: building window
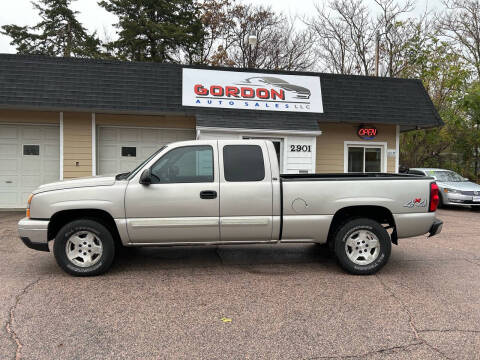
364 159
31 150
129 151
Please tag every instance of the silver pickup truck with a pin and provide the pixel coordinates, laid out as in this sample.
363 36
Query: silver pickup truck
227 192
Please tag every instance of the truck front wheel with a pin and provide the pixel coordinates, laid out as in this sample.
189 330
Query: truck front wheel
362 246
84 247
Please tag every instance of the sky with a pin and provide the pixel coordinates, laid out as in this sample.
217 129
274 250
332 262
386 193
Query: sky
95 18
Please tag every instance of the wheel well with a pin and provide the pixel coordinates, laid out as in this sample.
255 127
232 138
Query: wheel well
59 219
378 213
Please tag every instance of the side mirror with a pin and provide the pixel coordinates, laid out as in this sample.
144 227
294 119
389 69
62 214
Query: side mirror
146 177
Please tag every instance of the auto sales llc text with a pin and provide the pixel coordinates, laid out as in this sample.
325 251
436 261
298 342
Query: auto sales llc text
253 104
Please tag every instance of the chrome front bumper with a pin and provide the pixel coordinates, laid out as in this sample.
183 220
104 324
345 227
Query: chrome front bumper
34 233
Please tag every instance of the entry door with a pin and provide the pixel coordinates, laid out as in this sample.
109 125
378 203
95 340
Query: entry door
245 192
182 203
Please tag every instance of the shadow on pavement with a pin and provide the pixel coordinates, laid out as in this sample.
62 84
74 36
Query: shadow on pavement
175 257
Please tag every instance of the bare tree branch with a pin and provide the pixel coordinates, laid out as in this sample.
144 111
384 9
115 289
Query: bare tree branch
279 46
461 24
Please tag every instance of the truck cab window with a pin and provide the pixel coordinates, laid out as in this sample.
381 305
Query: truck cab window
243 163
189 164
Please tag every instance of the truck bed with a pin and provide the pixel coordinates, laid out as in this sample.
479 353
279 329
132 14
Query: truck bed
316 198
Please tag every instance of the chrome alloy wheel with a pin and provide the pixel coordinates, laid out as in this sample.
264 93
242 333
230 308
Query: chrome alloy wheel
362 247
84 248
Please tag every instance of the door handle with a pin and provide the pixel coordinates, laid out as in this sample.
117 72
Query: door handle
208 194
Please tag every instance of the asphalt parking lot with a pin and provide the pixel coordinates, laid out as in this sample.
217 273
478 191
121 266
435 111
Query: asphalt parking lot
249 302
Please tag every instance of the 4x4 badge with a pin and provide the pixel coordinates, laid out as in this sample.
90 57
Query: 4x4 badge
417 202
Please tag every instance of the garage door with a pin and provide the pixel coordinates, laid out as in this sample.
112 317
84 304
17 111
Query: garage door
121 149
29 157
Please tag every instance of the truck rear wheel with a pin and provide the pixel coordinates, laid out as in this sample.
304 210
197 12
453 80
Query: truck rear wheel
84 247
362 246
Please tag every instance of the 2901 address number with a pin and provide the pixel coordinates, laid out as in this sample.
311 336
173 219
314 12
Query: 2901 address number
301 148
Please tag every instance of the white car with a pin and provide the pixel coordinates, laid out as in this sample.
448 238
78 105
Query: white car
454 188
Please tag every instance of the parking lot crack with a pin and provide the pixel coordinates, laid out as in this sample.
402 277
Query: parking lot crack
11 319
410 319
379 351
437 350
450 330
471 262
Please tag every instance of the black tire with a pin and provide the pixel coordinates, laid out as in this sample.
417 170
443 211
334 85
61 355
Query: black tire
101 232
347 229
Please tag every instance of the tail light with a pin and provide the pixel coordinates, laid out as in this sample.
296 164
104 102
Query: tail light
434 197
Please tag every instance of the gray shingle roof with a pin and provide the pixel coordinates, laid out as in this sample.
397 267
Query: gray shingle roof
63 84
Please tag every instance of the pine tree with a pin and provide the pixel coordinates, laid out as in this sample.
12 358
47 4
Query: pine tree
58 33
155 30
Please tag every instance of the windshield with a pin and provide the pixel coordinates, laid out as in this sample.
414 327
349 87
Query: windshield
446 176
132 173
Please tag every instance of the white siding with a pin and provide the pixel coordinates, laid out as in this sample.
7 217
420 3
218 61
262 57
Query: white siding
299 161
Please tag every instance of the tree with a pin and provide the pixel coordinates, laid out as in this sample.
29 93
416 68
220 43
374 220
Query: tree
155 30
215 21
461 24
396 32
346 32
471 104
57 34
344 35
279 45
334 46
445 78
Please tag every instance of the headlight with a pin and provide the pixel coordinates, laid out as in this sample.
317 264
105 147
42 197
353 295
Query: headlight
28 205
452 191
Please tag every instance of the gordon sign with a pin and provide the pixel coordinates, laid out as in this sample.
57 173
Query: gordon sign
251 91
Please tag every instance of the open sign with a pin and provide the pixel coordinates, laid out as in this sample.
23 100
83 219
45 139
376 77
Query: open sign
367 132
